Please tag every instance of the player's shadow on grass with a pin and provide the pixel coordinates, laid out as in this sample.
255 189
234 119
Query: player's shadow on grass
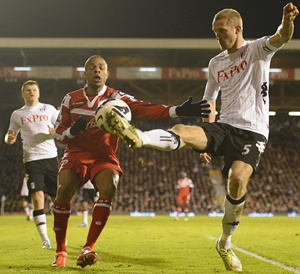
128 261
121 261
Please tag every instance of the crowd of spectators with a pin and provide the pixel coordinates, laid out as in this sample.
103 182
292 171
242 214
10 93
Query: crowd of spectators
149 180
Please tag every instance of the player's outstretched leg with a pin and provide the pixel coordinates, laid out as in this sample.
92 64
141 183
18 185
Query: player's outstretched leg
231 261
87 257
121 127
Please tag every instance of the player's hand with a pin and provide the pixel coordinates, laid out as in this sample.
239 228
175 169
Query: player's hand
80 124
51 130
290 12
189 109
10 137
205 157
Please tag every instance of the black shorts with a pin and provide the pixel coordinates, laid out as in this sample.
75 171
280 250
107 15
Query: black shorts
88 195
27 199
42 176
234 144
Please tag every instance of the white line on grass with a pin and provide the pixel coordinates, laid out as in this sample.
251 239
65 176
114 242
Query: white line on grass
278 264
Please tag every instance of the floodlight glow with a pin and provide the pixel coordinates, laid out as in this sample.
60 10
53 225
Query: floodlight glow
272 113
22 68
275 70
294 113
147 69
80 69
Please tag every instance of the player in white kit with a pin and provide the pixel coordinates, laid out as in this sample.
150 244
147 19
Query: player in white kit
35 121
241 73
26 200
89 197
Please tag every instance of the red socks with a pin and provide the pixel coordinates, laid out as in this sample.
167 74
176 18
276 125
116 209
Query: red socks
101 212
61 215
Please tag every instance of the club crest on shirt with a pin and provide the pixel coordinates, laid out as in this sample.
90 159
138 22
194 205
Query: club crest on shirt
43 108
243 53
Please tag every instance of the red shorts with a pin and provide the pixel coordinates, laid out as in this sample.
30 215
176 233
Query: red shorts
183 196
183 199
87 166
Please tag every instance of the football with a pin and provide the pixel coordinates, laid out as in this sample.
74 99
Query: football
111 104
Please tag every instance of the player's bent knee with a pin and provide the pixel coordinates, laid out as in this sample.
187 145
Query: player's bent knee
178 129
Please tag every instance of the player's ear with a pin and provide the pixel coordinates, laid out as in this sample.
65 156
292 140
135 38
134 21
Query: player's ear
238 29
84 74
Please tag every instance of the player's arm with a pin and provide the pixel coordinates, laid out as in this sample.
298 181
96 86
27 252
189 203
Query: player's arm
65 129
211 93
206 157
10 137
285 31
150 111
54 119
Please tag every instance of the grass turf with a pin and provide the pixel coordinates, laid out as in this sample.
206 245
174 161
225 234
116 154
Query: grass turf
146 245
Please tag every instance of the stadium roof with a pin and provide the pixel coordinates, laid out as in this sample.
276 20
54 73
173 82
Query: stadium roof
133 33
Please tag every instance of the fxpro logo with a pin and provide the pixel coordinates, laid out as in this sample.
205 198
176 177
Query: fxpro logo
34 118
226 75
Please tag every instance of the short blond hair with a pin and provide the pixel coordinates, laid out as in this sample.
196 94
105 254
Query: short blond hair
30 82
234 17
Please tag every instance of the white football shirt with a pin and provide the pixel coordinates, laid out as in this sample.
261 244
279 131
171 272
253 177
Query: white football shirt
32 123
243 80
185 182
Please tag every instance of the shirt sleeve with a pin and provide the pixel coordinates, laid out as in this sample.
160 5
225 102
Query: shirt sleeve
63 122
146 110
13 124
212 88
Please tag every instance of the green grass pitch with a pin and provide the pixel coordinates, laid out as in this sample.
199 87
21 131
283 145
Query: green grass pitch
150 245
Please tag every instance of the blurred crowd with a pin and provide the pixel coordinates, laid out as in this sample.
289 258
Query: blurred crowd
149 180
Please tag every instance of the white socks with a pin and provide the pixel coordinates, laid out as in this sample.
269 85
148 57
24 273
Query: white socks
160 139
231 220
41 225
85 215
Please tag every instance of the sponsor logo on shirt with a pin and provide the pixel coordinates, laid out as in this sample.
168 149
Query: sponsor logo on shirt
234 70
78 103
91 123
34 118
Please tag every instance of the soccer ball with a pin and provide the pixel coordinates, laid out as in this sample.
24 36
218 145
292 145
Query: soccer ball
111 104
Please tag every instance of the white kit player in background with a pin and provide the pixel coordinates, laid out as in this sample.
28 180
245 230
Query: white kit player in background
241 73
26 200
35 121
89 197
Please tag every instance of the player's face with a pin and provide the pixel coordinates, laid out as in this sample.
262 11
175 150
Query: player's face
225 34
96 72
31 94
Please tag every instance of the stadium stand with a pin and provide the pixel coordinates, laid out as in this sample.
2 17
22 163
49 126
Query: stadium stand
148 184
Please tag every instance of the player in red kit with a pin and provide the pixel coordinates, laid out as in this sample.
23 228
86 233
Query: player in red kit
184 186
90 153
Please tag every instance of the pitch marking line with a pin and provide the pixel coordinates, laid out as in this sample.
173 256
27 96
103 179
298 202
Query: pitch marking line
278 264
